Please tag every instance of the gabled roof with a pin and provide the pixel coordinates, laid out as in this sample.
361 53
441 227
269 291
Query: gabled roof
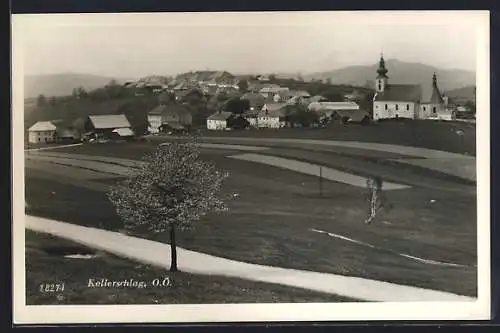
109 121
222 115
400 93
42 126
274 89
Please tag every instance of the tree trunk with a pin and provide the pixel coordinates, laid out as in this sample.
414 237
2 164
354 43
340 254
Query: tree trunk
173 250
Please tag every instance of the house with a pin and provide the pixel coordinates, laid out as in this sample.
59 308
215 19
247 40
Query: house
108 126
404 100
281 96
219 121
272 115
333 106
251 116
271 90
169 117
42 132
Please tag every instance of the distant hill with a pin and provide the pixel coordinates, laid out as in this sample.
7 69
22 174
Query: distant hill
465 93
400 73
63 84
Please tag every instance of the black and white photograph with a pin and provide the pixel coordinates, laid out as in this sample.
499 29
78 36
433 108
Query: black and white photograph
251 166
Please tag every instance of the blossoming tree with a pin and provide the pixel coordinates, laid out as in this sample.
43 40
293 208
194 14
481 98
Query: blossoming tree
171 189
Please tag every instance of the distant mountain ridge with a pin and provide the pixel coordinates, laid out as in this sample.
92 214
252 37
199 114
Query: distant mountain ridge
400 73
63 84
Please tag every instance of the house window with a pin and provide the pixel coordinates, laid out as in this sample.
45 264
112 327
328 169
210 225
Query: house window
379 86
424 108
407 106
377 106
434 110
386 106
397 107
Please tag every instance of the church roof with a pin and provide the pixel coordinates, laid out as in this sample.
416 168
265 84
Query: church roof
400 93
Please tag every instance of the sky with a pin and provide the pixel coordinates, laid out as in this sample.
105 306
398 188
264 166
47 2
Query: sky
136 45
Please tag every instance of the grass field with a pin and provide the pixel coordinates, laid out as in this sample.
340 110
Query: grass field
270 223
415 133
45 265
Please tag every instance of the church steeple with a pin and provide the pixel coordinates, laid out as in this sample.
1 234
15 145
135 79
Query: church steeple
382 71
436 97
382 77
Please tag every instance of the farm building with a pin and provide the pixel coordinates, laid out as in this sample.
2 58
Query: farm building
251 116
219 121
108 126
42 132
169 117
272 116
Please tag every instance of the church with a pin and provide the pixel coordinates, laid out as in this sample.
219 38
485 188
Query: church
393 101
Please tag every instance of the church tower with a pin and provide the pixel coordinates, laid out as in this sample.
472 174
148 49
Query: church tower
382 78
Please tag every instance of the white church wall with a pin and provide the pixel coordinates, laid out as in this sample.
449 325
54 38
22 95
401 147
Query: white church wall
388 110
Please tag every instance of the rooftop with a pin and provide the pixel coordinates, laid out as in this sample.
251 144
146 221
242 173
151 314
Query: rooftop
400 93
109 121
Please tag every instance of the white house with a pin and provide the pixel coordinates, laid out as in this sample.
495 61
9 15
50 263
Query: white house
270 91
42 132
252 117
219 121
272 116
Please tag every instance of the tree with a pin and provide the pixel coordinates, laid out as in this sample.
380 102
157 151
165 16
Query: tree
329 80
171 190
298 114
243 85
82 93
333 95
41 101
272 77
471 107
237 106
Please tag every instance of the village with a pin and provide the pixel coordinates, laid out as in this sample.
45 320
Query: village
249 103
314 161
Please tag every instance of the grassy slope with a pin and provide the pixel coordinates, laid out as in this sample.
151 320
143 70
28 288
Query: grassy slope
43 267
277 207
415 133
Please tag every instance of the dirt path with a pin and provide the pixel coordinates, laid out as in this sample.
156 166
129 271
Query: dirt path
158 254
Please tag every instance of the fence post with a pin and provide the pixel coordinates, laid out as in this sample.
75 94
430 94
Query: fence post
320 181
